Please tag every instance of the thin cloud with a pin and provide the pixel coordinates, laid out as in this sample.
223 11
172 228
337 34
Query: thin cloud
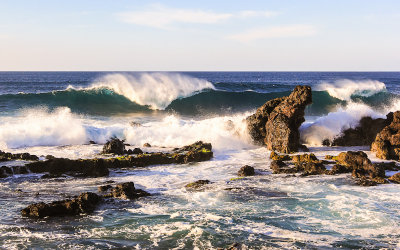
159 16
298 30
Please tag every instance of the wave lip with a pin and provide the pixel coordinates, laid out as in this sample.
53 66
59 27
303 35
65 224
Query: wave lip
156 90
345 89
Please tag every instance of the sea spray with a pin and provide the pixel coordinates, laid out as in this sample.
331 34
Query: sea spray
345 89
40 127
156 90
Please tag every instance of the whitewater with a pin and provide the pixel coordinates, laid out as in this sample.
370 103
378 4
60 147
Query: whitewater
61 113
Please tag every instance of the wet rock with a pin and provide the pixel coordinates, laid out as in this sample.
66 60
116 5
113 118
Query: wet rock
277 157
197 185
305 158
5 172
48 157
339 169
84 203
198 151
114 146
246 171
362 135
279 167
104 188
135 151
395 178
127 191
92 142
4 156
311 168
135 124
276 123
387 142
52 176
59 166
147 145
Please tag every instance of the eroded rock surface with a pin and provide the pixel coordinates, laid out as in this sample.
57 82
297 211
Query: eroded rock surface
387 142
276 123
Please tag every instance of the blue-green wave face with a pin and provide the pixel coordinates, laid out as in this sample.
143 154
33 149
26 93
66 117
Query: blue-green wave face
104 101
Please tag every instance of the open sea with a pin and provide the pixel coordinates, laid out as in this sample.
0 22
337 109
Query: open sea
58 113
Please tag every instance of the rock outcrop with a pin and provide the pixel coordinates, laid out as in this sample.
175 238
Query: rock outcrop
246 171
84 203
276 123
362 135
387 142
127 191
197 185
114 146
4 156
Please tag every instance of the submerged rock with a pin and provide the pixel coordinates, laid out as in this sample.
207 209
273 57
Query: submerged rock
84 203
197 185
246 171
276 123
114 146
387 142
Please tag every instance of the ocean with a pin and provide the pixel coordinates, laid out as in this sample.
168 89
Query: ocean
59 113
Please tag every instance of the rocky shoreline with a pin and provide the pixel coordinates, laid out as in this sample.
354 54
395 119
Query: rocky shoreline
275 125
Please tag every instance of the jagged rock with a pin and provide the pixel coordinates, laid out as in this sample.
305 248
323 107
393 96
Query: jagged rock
104 188
387 142
276 123
305 158
364 134
4 156
84 203
59 166
395 178
360 165
197 185
279 167
277 157
246 171
114 146
127 191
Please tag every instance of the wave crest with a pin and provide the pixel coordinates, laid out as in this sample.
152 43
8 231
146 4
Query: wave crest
156 90
345 89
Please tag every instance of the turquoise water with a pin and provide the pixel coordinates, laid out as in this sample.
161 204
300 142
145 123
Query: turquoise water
59 112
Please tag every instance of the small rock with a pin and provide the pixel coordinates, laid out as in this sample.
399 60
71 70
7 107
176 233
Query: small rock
197 185
104 188
147 145
114 146
246 171
395 178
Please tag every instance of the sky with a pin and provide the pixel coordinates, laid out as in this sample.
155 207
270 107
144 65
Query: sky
207 35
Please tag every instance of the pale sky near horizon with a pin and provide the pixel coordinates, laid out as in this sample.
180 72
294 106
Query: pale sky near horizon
252 35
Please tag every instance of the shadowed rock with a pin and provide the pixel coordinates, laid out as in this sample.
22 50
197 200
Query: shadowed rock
114 146
276 123
387 142
246 171
84 203
127 191
4 156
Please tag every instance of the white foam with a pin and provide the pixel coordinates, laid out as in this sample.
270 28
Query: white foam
332 124
35 127
344 89
156 90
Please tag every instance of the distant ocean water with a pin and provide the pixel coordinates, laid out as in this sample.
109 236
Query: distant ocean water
58 113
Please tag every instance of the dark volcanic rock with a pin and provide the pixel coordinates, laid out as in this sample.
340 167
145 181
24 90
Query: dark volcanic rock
276 123
387 142
23 156
362 135
104 188
395 178
135 151
114 146
197 185
127 191
59 166
84 203
246 171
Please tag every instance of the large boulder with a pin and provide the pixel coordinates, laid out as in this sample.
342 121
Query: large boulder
246 171
276 123
114 146
387 142
84 203
364 134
